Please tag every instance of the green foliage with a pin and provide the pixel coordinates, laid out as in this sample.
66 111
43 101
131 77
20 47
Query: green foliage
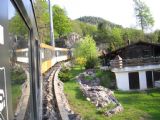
103 34
89 77
17 26
86 48
76 27
111 35
16 94
83 29
137 105
87 29
91 63
117 39
64 75
107 78
140 105
42 19
81 61
62 24
96 20
18 75
143 15
151 37
102 26
133 35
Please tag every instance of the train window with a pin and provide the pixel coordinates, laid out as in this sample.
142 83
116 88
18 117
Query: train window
48 53
42 53
19 64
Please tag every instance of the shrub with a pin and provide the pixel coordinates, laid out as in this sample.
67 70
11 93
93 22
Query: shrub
18 75
81 61
91 63
87 49
64 75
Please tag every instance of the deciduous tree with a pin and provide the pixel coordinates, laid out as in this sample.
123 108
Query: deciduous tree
87 49
143 15
42 19
62 24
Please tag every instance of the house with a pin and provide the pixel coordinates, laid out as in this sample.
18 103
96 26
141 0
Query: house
136 66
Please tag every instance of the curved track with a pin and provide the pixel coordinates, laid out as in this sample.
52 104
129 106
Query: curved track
50 108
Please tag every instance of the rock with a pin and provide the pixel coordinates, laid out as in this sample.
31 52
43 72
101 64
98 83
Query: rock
98 95
115 110
75 117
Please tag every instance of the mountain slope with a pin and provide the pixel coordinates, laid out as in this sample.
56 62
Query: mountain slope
97 20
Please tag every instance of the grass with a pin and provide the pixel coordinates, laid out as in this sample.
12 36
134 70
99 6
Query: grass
18 77
88 78
77 101
107 78
143 104
16 94
137 105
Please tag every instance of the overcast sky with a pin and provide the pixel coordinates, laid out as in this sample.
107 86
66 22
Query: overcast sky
117 11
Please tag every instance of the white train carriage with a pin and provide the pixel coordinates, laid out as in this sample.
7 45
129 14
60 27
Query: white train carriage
22 55
49 56
61 54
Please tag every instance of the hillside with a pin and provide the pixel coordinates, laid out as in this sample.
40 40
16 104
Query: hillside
97 20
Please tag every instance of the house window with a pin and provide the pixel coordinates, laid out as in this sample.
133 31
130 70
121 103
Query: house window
134 80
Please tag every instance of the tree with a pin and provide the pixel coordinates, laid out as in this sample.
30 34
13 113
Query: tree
117 39
62 24
133 35
17 26
102 26
86 49
143 15
87 29
76 27
102 36
43 22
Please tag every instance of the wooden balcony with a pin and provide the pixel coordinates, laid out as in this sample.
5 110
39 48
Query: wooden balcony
134 62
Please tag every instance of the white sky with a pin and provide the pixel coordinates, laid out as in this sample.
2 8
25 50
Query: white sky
117 11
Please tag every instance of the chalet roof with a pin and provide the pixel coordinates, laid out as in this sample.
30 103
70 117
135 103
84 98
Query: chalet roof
137 43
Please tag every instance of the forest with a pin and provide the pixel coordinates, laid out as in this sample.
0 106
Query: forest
106 33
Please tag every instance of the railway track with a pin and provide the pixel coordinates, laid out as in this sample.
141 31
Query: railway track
50 108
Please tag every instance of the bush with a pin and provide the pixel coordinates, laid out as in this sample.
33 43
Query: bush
91 63
64 75
81 61
18 75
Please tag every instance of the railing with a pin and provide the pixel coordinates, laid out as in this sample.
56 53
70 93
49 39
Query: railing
135 62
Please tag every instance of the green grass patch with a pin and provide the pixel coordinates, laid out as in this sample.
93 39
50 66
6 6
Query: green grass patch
16 94
88 77
77 101
137 105
18 77
107 78
146 102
